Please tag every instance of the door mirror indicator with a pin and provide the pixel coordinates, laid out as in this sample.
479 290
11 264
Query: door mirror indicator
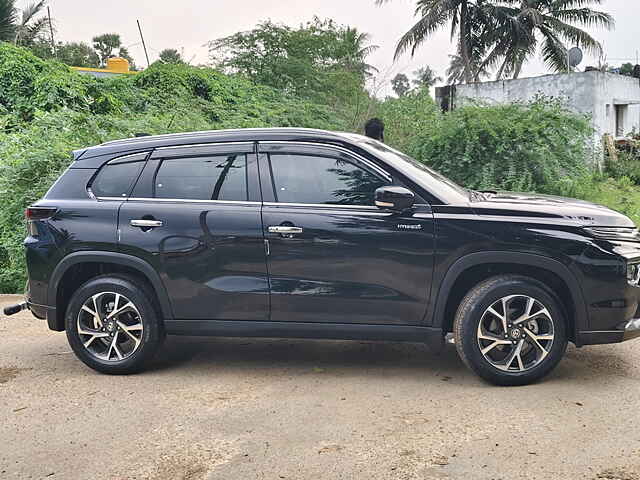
394 198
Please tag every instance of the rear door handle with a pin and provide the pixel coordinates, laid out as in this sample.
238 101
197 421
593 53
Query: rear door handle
285 230
146 223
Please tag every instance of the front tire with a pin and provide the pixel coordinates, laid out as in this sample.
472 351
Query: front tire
510 330
112 324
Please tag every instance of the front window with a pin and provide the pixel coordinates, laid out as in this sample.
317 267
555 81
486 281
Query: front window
437 184
311 179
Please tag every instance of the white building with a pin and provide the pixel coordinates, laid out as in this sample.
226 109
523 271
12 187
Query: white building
612 100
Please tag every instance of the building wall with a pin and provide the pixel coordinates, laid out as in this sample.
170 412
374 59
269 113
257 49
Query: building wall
592 93
617 91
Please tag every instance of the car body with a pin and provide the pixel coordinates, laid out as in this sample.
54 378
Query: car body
291 244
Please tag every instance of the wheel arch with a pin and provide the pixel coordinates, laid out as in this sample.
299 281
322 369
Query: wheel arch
475 267
109 262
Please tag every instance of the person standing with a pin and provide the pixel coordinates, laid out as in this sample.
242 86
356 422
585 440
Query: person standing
374 128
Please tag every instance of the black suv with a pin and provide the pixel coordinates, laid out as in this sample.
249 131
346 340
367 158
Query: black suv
314 234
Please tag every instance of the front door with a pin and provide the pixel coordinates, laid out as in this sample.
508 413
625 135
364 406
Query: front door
333 256
194 214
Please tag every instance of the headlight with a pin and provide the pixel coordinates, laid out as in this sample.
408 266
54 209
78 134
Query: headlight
633 273
620 234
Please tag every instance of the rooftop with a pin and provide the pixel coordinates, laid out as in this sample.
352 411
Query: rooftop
211 136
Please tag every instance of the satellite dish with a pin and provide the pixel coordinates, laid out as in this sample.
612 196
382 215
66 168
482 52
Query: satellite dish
575 57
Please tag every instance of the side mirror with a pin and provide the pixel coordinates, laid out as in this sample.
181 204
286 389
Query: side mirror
394 198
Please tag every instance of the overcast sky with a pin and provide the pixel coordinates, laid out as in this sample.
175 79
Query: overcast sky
188 24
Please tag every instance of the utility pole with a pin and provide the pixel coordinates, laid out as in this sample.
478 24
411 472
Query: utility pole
53 43
143 44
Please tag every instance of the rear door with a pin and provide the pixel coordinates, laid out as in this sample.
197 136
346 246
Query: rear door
334 257
194 214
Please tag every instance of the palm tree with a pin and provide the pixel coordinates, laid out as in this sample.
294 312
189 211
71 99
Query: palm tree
8 17
503 34
455 72
523 26
358 49
435 15
29 28
426 78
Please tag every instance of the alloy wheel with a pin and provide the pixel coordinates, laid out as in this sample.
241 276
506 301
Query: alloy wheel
516 333
110 326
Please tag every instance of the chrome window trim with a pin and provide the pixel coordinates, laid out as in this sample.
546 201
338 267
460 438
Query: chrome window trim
204 145
357 157
186 200
330 205
266 204
320 205
157 152
117 160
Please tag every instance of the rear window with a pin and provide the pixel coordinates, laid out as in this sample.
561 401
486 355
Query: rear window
116 180
218 177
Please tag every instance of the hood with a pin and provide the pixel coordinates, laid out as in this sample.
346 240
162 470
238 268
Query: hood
548 207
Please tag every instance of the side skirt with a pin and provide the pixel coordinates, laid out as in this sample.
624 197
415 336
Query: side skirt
434 337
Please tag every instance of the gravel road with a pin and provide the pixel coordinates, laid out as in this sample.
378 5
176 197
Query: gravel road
300 409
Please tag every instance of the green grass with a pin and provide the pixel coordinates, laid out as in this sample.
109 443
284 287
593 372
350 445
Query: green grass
621 195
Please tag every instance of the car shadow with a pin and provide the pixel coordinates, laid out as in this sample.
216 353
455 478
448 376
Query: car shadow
302 354
339 357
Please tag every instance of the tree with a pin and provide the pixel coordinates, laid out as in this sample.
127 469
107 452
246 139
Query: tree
320 59
435 15
357 49
455 71
8 19
400 84
624 69
503 34
77 54
171 55
426 78
29 29
524 26
105 45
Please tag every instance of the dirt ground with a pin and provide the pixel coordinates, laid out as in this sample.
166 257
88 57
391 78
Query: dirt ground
299 409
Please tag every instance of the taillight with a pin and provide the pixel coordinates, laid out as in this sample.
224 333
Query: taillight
39 213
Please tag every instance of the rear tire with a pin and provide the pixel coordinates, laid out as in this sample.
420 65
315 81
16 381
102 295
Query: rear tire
113 325
510 330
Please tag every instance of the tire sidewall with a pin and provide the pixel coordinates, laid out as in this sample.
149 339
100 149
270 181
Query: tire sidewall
474 312
151 334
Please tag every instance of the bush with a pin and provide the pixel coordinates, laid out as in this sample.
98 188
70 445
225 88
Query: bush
32 158
47 110
60 110
519 147
29 84
626 165
408 120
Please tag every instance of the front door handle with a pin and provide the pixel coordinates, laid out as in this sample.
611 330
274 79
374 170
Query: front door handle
146 223
285 230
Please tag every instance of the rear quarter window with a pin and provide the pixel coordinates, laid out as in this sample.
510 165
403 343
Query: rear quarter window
116 180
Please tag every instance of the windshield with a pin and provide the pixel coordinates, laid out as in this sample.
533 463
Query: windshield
436 183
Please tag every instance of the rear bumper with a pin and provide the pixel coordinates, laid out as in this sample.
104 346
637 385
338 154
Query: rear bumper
41 312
